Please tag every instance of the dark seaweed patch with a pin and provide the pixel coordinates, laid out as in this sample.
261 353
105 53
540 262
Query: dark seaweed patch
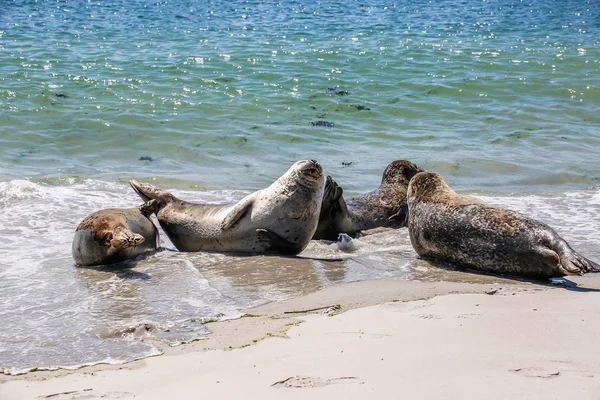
336 91
326 124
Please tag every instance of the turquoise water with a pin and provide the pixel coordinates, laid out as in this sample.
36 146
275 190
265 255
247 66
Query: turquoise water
213 99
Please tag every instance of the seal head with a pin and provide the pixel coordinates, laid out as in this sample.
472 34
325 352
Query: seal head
446 226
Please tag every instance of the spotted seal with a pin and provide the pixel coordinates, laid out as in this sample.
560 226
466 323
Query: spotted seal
281 218
114 235
383 207
466 231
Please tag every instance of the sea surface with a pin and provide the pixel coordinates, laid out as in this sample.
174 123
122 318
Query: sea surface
215 99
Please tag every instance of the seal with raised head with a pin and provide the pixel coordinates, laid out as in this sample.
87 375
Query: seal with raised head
384 207
114 235
465 231
281 218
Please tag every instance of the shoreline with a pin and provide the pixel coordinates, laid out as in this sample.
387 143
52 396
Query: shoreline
364 305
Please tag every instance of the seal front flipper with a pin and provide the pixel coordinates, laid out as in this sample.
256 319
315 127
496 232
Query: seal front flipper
331 211
277 242
331 197
400 217
149 208
237 212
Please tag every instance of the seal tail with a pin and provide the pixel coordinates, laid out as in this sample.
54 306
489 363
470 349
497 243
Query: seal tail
148 192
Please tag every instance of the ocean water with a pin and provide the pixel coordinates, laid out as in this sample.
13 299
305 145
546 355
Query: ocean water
215 99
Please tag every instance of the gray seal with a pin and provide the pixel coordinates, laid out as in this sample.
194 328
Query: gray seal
384 207
466 231
114 235
281 218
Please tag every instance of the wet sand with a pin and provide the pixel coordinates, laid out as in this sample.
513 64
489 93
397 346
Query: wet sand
379 339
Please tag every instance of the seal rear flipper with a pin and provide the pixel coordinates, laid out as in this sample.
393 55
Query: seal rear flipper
237 212
148 192
592 266
277 242
579 264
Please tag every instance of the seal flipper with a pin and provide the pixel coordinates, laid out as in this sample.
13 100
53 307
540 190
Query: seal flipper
331 205
401 215
591 266
149 208
580 264
237 212
331 197
277 242
574 263
148 192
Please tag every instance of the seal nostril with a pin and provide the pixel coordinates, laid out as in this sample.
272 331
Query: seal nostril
314 161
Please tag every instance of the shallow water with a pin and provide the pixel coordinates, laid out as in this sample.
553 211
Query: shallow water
215 99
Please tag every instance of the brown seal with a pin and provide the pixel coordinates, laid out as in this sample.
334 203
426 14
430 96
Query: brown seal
384 207
466 231
114 235
281 218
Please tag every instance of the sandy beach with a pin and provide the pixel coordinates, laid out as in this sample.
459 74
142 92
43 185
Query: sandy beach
376 339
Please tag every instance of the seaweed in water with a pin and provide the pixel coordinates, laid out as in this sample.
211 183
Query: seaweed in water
326 124
336 91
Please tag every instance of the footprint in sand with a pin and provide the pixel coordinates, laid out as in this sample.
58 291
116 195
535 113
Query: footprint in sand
469 316
426 316
536 372
557 368
299 382
85 394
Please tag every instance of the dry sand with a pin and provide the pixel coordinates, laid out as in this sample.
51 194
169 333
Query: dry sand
390 339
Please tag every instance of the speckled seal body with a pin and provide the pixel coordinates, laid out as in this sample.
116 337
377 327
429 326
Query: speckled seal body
384 207
466 231
114 235
281 218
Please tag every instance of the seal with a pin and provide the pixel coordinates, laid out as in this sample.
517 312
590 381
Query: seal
114 235
281 218
384 207
466 231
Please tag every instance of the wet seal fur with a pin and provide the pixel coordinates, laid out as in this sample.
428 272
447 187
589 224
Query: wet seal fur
281 218
384 207
466 231
114 235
